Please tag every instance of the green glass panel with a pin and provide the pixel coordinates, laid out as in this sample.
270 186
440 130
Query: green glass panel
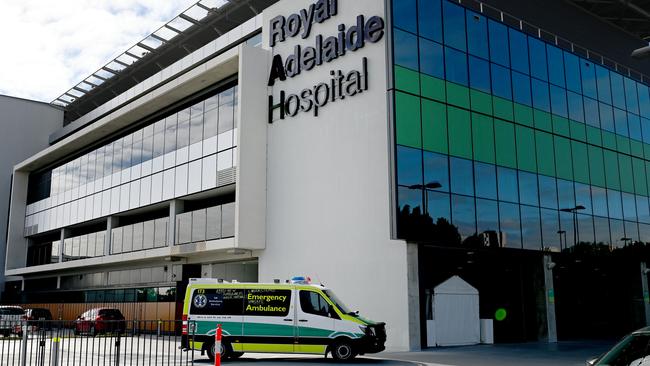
433 88
647 173
580 162
457 95
636 148
504 141
407 80
593 136
623 144
481 102
596 166
611 169
460 132
503 109
609 140
640 181
523 114
561 126
543 120
526 149
407 120
545 153
578 131
434 126
563 162
646 151
483 137
625 171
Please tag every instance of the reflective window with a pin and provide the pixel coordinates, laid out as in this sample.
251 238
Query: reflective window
487 215
558 101
454 25
555 65
501 83
409 166
585 225
629 206
537 57
631 97
576 109
643 212
521 89
592 116
588 73
634 126
572 72
438 206
436 171
461 176
404 15
463 215
541 95
507 183
499 46
477 34
456 66
606 117
566 197
618 91
603 84
170 133
547 192
583 197
430 19
405 49
550 228
518 51
614 204
528 193
510 225
601 231
431 58
479 74
530 228
620 121
485 180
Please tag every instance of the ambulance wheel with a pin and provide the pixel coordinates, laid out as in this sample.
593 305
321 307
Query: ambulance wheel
343 351
226 350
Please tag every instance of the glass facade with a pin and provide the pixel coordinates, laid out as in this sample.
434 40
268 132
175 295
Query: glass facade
188 151
505 140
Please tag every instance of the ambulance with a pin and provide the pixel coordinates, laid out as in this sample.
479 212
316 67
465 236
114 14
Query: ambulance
292 317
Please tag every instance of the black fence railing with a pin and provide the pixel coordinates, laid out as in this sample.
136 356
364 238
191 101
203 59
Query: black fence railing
96 343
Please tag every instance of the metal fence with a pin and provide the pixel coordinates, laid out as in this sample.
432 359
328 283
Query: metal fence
101 343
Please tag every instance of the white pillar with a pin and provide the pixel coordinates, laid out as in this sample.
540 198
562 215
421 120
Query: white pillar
550 299
646 294
413 280
175 207
111 223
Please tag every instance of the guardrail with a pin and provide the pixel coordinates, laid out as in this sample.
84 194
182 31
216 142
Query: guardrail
98 342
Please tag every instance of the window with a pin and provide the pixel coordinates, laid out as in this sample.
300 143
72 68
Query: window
576 108
510 224
518 51
479 74
530 228
456 66
463 215
196 122
461 176
430 18
267 302
170 133
599 201
501 84
572 72
404 15
559 101
537 51
431 58
547 192
436 171
631 96
541 95
528 193
588 73
217 302
603 85
313 303
454 25
487 214
620 121
555 66
507 183
618 91
591 112
409 166
521 88
485 180
477 35
499 49
606 117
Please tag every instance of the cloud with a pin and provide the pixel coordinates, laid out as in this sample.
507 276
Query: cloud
50 46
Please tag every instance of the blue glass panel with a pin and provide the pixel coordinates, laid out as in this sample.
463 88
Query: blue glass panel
507 180
436 170
432 58
430 19
479 74
604 88
588 73
555 65
510 225
601 226
531 228
456 66
599 201
438 205
550 228
592 117
620 121
585 228
485 180
614 204
572 72
501 83
405 49
540 95
537 55
629 206
547 192
528 193
617 231
634 125
404 15
499 51
576 109
583 197
631 231
642 210
631 96
607 117
565 194
409 166
618 91
645 130
487 214
462 176
567 223
518 51
477 35
454 25
558 101
409 201
644 100
463 215
521 88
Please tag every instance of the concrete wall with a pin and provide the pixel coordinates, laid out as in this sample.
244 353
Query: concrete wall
328 184
26 126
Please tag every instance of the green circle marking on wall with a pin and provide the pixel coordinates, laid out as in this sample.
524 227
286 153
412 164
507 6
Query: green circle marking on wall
500 314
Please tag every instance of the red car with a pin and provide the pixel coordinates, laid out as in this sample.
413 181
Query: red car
100 320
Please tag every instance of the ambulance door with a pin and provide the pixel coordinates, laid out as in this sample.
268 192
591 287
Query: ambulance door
269 321
315 324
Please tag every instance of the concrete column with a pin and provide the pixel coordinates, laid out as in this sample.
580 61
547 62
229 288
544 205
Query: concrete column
413 280
65 233
550 299
175 207
111 223
646 294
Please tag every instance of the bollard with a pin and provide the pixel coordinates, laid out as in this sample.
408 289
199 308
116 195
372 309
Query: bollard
159 324
23 353
117 349
217 346
55 351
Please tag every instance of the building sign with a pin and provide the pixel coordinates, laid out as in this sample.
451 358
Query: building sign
325 49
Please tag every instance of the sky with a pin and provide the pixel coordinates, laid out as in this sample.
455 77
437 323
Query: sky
49 46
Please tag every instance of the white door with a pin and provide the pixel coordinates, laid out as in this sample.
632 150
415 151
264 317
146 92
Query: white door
315 324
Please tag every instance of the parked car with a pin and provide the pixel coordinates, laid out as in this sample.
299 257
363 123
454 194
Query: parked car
100 320
632 350
10 319
38 318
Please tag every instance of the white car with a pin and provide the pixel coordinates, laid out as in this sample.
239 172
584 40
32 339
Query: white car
10 319
633 350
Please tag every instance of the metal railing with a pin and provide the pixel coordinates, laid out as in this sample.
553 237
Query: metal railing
100 342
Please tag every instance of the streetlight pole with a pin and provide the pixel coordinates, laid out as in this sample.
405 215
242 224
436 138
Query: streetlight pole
426 187
574 210
562 232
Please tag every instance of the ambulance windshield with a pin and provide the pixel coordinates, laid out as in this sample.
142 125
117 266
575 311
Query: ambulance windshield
344 309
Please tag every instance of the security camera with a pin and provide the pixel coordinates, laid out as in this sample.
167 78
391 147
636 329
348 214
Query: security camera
646 271
550 265
640 53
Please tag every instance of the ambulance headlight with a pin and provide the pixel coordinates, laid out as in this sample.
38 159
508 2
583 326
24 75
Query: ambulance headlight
369 331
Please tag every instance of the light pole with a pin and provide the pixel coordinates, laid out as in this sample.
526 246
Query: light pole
574 210
562 232
430 185
625 240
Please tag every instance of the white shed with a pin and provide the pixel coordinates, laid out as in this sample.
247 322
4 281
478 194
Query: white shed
455 314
